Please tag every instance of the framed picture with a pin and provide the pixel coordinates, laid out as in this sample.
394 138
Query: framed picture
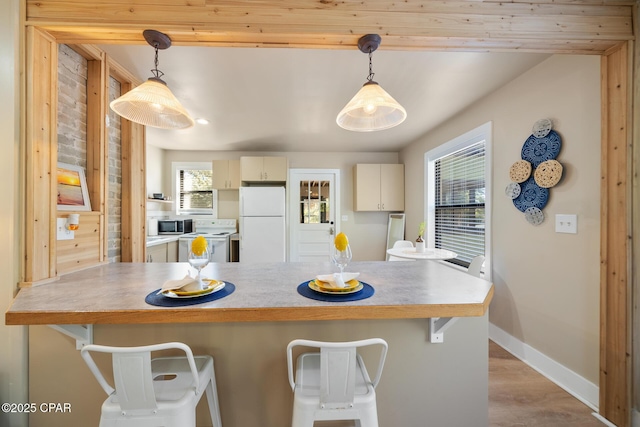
73 194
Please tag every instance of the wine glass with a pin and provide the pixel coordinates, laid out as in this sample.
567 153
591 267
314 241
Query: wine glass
199 262
341 258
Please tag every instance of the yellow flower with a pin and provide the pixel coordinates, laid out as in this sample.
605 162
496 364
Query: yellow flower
199 245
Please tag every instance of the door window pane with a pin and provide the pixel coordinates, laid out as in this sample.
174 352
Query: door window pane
314 202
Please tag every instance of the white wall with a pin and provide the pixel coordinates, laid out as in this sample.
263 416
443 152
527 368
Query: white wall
367 231
13 339
547 284
155 161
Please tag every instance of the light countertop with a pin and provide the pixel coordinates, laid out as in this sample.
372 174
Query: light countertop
115 293
161 239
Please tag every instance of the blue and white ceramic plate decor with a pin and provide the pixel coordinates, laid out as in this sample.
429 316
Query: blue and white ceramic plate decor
537 150
534 216
542 127
513 190
531 196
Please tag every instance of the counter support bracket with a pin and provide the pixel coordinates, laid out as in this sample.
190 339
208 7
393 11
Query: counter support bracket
83 334
437 327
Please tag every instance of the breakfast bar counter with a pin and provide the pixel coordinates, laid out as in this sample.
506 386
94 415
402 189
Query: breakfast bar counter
424 382
115 294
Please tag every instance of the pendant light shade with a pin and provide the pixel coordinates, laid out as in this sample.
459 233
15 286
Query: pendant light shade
372 108
152 103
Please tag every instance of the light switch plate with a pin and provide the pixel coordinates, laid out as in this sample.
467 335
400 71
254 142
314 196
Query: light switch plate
345 218
566 223
63 233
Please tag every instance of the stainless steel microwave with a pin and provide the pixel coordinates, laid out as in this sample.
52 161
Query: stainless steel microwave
175 226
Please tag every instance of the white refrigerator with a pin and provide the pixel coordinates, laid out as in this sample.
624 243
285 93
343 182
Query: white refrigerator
262 224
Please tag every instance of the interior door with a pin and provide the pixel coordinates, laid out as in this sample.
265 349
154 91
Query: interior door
314 208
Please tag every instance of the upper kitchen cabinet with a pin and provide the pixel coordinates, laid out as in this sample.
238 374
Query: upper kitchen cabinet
378 187
226 174
263 169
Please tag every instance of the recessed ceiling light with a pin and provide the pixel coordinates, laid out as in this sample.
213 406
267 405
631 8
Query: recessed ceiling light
202 121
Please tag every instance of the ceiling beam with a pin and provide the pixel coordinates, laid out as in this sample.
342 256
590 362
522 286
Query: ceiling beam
577 26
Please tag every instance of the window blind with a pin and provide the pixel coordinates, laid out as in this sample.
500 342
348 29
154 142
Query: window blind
196 192
460 202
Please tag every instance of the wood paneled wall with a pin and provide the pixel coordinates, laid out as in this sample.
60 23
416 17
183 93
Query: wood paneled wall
45 257
85 250
40 131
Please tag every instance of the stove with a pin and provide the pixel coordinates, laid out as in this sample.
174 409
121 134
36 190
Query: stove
215 227
216 231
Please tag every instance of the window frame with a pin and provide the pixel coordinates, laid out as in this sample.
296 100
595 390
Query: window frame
481 133
176 167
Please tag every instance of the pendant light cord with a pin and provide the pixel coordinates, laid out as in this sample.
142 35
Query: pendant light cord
157 73
371 73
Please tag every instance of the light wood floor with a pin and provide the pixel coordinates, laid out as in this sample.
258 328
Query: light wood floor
520 396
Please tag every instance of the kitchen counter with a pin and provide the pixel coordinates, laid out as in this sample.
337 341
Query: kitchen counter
159 240
114 294
248 331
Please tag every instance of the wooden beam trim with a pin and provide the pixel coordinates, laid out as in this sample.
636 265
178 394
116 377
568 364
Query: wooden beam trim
42 8
400 24
40 143
615 234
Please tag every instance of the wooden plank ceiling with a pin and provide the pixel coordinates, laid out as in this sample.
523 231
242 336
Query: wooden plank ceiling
564 26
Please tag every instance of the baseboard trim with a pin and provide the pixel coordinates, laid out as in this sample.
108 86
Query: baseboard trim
603 420
574 384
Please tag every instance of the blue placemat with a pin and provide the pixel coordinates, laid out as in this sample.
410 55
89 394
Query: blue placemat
160 300
366 291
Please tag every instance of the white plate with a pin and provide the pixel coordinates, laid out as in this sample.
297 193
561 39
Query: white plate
215 286
330 279
314 287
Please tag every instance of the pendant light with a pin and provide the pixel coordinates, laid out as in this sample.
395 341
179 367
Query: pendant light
372 108
152 103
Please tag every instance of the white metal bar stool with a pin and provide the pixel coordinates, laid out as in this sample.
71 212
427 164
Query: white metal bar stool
475 267
334 384
152 393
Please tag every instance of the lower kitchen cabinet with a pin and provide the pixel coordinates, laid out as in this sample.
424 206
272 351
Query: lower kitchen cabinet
157 253
172 251
164 252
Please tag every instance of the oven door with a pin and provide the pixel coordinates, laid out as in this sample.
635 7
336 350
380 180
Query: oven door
219 249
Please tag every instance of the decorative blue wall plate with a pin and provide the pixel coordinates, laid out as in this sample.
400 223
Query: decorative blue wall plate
538 150
531 196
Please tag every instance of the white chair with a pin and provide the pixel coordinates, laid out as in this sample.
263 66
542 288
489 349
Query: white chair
475 266
401 244
153 393
334 384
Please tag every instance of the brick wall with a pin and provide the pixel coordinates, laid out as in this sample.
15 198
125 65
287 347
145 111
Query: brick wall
114 233
72 107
